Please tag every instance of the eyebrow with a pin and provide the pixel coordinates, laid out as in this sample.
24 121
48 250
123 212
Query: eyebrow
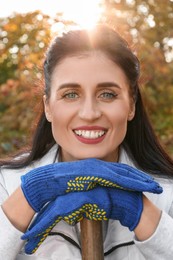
108 84
68 85
99 85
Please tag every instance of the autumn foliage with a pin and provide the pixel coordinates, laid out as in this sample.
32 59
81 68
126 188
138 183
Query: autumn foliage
24 40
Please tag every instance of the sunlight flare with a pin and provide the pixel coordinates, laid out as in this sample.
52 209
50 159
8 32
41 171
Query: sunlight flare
84 13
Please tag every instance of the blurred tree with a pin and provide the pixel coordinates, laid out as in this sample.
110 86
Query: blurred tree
23 42
23 38
148 27
16 114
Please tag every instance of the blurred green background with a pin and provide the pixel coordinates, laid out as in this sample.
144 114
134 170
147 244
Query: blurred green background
148 26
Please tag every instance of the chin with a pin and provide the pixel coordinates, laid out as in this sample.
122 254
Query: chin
95 155
84 154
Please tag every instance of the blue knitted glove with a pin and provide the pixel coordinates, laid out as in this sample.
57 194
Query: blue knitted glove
98 204
45 183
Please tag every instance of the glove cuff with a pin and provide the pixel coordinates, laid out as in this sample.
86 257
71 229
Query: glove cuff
35 187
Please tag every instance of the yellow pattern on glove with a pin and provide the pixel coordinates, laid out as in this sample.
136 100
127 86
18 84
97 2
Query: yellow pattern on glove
82 183
90 211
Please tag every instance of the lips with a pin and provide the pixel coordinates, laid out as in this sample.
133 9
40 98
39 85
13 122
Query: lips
90 135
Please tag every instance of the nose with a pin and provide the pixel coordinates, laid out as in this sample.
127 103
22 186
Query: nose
89 110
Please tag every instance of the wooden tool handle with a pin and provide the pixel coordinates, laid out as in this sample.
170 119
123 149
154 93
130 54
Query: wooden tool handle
91 240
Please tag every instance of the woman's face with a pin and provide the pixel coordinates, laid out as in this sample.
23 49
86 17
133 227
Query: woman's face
89 107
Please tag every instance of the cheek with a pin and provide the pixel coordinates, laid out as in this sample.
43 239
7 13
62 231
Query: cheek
119 120
119 115
120 127
60 123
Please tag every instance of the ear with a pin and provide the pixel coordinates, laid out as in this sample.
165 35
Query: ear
131 112
47 109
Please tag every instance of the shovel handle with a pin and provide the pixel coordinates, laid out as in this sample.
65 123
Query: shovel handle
91 240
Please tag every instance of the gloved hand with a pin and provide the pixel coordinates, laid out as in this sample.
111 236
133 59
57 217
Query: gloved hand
98 204
45 183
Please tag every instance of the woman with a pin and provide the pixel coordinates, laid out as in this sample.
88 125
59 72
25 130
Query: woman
92 109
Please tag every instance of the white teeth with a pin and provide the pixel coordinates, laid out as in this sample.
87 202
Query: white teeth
89 134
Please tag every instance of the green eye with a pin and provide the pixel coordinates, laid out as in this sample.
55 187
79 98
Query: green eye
108 95
70 95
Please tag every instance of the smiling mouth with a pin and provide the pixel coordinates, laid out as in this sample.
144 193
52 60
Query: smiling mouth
90 134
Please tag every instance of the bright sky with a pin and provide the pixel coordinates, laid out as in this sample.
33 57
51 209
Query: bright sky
83 12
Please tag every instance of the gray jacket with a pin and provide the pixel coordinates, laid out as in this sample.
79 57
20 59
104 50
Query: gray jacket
119 242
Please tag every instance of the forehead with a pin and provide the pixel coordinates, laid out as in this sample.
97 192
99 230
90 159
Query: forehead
95 65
